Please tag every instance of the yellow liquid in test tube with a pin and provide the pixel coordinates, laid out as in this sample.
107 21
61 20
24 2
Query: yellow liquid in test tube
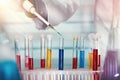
49 59
90 64
90 61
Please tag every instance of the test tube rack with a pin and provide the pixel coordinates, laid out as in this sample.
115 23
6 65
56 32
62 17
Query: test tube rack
41 74
66 74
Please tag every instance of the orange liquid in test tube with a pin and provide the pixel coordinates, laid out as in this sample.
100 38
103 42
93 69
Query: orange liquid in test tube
49 58
49 52
90 61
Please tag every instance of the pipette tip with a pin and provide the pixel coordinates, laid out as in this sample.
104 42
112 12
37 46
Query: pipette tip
55 30
59 34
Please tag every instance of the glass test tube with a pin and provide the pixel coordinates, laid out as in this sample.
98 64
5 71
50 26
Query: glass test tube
82 53
61 54
42 61
26 53
99 55
95 56
30 53
49 52
90 60
17 52
75 52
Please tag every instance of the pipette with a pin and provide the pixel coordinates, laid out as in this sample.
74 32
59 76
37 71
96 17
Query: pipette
28 6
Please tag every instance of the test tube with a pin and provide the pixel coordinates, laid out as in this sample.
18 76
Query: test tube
99 60
17 52
99 55
26 52
42 61
75 52
61 54
95 55
30 53
49 52
82 53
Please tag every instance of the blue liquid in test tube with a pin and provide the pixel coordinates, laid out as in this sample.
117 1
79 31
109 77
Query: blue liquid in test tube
82 54
61 55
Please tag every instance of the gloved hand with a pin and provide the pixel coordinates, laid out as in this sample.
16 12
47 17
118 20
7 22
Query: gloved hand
54 11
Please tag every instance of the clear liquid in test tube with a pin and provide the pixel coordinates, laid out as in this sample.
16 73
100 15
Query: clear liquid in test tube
17 53
42 60
49 52
75 53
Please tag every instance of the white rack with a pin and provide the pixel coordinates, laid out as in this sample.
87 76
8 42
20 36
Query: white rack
41 74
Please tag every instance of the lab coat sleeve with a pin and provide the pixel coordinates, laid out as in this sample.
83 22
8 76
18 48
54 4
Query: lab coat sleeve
104 12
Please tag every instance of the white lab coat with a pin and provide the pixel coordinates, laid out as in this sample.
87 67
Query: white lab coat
107 15
104 20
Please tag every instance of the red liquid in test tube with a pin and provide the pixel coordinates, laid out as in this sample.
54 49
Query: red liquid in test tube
99 62
95 59
74 63
42 61
42 54
30 62
30 50
75 52
18 60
